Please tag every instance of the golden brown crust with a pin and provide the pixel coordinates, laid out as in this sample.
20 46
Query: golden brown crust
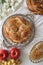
35 6
17 29
37 51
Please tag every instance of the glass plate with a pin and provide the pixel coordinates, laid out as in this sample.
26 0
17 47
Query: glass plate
9 43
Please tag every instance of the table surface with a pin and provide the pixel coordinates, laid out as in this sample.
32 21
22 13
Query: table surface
38 21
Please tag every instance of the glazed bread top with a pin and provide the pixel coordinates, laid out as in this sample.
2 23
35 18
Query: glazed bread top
17 29
37 51
35 6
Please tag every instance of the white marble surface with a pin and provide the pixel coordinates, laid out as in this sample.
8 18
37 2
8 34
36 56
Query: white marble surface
38 21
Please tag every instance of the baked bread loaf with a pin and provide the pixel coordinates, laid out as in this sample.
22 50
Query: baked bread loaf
17 29
36 53
35 6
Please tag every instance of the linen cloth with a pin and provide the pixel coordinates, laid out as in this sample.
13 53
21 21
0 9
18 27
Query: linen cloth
38 22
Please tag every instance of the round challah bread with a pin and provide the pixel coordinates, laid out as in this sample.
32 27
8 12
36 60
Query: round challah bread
35 6
17 29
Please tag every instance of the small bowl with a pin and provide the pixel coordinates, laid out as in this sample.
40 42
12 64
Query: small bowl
8 42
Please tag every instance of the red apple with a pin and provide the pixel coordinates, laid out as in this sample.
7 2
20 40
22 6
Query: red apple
3 54
15 53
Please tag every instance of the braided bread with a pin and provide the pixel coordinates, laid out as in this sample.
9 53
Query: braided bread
35 6
17 29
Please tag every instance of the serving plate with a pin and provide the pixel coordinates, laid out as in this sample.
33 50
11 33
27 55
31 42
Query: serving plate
8 41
